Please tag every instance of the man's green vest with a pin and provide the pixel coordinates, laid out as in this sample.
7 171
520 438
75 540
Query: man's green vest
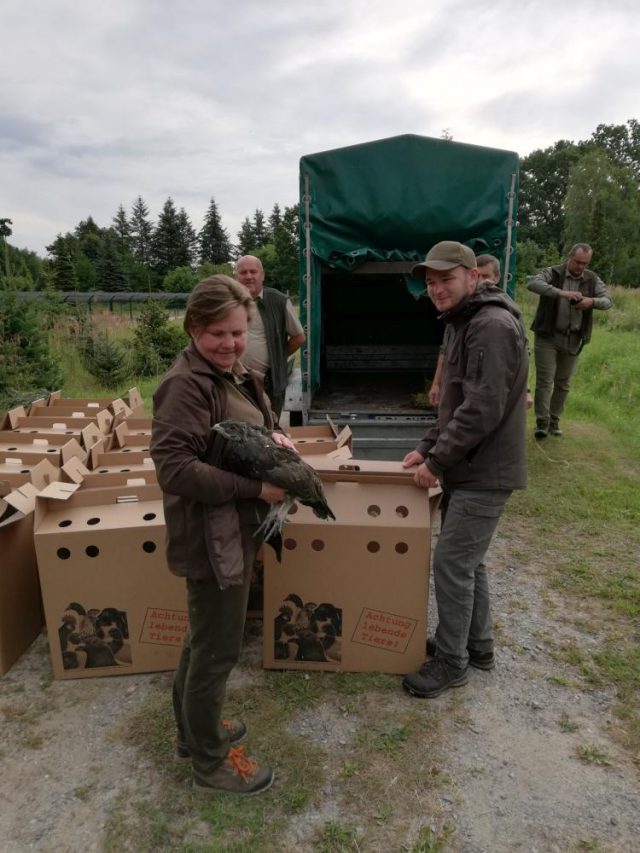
273 310
544 323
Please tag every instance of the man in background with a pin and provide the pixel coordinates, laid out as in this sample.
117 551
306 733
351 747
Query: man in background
488 270
275 332
569 293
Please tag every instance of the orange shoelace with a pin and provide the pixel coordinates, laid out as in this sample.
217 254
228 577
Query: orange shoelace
241 763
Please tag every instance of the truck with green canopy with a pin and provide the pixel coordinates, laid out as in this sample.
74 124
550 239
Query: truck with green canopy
367 214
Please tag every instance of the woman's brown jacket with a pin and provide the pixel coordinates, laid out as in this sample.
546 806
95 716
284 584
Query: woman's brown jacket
201 515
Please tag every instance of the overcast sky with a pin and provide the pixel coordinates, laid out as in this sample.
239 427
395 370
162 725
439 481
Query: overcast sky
100 103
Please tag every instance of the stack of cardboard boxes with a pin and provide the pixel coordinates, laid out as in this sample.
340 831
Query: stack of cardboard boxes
350 594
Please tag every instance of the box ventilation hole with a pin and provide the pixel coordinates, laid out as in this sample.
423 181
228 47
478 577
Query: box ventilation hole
149 547
317 545
373 547
290 544
293 509
373 511
63 553
402 548
402 511
66 522
92 550
93 521
149 516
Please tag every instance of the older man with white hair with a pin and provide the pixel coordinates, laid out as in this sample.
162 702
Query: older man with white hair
275 332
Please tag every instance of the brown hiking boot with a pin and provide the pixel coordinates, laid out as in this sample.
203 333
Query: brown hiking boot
238 774
237 732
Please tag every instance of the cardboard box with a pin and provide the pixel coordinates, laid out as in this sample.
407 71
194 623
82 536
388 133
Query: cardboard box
124 436
112 606
74 424
57 448
15 471
75 472
323 438
352 594
20 605
125 459
132 401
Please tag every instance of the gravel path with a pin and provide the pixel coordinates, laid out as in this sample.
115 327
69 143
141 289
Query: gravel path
511 735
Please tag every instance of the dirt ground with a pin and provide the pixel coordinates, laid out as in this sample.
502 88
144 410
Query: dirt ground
511 739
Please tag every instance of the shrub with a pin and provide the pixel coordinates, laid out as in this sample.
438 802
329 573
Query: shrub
107 360
25 352
156 342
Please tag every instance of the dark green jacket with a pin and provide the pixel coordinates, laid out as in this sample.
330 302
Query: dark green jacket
479 439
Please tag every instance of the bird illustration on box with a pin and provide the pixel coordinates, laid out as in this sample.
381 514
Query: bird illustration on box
251 452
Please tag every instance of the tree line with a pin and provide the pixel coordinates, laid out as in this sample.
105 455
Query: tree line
585 191
134 254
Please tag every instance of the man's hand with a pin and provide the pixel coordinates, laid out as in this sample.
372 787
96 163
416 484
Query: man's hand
571 295
272 494
425 478
412 458
283 441
529 400
585 304
434 395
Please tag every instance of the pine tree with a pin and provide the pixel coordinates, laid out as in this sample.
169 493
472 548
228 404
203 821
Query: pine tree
246 244
260 229
188 240
123 229
275 219
111 270
213 239
63 251
141 231
166 245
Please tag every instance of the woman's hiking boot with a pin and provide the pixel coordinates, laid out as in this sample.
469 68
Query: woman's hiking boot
238 774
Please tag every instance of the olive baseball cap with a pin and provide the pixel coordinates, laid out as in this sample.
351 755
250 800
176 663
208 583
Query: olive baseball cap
445 256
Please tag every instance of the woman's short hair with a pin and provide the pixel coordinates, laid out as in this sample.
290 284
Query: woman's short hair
212 299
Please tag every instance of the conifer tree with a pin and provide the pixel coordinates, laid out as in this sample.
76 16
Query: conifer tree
63 251
123 229
246 244
141 231
260 229
166 245
188 240
111 269
213 239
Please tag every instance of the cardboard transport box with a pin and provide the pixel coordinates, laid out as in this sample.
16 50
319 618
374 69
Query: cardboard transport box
14 471
352 594
111 605
133 439
58 449
20 422
75 472
322 438
20 605
132 401
123 459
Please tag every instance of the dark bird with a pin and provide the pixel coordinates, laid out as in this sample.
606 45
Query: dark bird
251 452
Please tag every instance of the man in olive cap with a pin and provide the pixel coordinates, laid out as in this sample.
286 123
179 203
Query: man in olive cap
476 452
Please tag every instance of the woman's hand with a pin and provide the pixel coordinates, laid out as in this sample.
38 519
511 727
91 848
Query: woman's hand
283 441
272 494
